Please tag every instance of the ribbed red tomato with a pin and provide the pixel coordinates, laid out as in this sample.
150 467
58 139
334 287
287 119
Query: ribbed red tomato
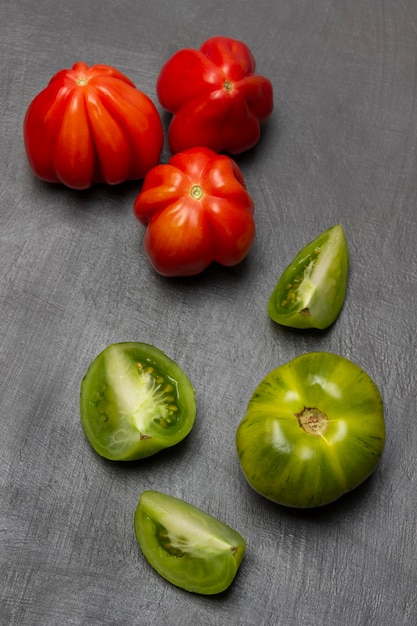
91 125
216 97
197 210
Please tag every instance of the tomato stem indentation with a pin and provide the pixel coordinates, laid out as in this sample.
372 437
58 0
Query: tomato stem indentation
313 421
196 192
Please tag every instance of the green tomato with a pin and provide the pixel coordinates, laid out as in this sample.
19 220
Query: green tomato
311 291
314 430
186 546
135 401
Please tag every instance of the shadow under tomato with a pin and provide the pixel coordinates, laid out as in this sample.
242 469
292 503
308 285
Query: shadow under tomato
327 513
313 333
88 200
215 275
167 456
268 138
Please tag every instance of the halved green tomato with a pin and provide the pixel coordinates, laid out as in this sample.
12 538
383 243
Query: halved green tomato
135 401
186 546
314 429
311 291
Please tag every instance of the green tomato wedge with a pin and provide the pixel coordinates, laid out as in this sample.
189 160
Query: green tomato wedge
312 289
135 401
186 546
313 430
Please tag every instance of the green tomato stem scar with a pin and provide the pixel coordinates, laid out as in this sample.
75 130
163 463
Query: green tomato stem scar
228 85
196 192
313 421
82 81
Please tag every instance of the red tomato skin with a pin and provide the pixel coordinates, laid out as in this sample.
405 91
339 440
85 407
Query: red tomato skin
91 125
215 97
186 231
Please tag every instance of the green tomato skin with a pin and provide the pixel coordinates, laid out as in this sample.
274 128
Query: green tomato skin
311 291
135 401
189 548
295 468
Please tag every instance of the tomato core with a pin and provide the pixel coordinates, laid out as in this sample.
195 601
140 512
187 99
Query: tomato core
292 287
157 391
165 543
196 192
313 421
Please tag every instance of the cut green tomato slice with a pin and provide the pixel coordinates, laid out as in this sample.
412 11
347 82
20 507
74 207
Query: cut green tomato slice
312 289
186 546
135 401
314 429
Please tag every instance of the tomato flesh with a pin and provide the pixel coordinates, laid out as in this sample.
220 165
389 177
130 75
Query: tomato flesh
314 429
311 291
185 545
135 401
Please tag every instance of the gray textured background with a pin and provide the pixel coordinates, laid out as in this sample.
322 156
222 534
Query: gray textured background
340 147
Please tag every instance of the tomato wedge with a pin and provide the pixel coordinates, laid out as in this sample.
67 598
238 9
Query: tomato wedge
314 429
311 291
186 546
135 401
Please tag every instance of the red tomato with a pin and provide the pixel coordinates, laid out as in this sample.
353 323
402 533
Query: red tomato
197 210
216 98
91 125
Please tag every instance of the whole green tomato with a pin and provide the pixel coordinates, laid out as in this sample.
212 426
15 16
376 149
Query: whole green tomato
135 401
314 429
185 545
311 290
